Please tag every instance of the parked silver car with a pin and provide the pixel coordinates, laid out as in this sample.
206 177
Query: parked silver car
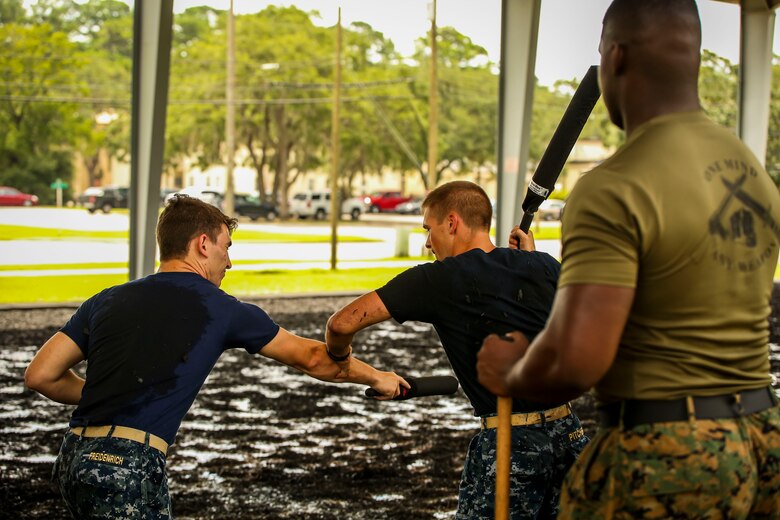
551 209
412 207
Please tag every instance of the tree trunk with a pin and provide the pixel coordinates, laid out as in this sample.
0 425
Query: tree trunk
258 164
92 166
282 160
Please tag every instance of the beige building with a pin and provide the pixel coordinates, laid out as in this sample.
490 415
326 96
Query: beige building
586 154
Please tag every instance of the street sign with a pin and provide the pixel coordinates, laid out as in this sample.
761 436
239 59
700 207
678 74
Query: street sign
59 186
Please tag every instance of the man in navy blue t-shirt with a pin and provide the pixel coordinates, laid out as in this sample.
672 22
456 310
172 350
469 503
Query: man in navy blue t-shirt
150 344
472 290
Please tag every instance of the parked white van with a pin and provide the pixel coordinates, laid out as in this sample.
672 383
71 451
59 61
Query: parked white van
316 204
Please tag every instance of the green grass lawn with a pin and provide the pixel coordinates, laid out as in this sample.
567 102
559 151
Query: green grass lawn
13 232
69 288
47 267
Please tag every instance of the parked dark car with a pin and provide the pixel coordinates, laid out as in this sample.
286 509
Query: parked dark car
13 197
104 198
254 208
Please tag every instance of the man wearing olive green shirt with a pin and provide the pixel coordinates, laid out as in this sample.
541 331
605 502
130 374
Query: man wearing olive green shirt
669 250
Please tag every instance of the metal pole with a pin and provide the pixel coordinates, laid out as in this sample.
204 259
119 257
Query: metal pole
433 114
152 33
230 116
58 192
503 457
335 203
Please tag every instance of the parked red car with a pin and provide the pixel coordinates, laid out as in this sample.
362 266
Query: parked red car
13 197
385 201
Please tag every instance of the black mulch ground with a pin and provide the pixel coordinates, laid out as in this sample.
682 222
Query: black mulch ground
262 441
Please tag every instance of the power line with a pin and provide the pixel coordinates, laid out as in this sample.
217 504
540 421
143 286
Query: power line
126 101
264 86
62 99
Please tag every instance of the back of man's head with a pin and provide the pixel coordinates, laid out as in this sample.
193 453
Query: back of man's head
662 37
185 218
465 198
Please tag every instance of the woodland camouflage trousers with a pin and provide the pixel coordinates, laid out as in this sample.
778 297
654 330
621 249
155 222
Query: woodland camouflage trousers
713 469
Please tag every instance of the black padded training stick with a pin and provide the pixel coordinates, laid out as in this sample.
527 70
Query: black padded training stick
561 143
422 386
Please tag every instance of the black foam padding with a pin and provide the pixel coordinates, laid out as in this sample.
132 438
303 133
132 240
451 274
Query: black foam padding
560 145
423 386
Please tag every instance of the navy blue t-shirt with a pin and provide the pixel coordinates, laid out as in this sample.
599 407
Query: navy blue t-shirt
474 294
151 343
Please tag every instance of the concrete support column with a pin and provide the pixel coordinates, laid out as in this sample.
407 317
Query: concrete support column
755 74
152 28
519 31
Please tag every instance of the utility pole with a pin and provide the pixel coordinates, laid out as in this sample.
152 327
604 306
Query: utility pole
433 108
230 116
335 202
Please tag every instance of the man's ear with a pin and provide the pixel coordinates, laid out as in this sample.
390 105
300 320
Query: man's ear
618 59
453 221
201 242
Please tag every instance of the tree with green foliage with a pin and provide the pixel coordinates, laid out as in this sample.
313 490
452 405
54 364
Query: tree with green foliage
12 11
376 95
468 96
284 84
107 33
63 63
37 128
66 66
773 141
718 82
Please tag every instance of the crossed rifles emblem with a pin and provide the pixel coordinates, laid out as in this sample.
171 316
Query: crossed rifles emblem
740 222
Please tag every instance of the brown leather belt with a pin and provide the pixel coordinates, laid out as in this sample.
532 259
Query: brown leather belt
647 411
122 432
525 419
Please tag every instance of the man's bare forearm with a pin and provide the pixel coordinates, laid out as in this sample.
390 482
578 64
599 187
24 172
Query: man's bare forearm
338 343
345 323
66 389
361 373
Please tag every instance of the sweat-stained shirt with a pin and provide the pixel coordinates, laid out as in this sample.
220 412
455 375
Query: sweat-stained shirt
151 343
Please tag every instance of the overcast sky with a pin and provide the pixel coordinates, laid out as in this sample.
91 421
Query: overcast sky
568 32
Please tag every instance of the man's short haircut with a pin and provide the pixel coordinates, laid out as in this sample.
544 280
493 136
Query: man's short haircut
665 36
465 198
185 218
666 15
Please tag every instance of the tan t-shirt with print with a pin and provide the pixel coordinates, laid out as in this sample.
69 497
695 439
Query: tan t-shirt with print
686 215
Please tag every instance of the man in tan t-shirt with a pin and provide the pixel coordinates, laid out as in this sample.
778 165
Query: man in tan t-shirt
669 251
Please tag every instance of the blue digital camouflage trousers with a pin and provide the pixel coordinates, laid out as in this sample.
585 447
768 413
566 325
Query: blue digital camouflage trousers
110 478
706 468
541 456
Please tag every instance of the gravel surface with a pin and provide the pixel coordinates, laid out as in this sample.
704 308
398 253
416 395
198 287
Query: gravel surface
263 441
